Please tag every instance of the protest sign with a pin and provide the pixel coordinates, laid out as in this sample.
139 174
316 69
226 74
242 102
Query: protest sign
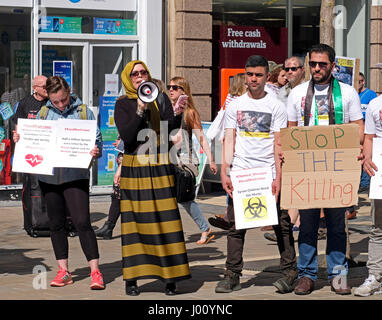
320 168
34 152
376 180
253 202
75 140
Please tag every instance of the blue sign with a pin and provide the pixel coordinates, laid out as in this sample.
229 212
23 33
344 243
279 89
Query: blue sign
6 110
75 1
107 164
64 69
106 118
115 26
60 24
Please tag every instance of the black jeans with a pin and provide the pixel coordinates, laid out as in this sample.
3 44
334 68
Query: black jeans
74 197
285 242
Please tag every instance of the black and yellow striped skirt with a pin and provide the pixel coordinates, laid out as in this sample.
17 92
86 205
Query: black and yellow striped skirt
152 234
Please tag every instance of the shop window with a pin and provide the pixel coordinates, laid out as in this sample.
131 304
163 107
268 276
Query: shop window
15 78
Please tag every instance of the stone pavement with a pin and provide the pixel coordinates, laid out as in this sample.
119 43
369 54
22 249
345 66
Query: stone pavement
23 257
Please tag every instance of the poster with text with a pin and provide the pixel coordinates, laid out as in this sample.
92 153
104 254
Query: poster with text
253 201
344 70
107 164
106 118
34 152
75 139
376 180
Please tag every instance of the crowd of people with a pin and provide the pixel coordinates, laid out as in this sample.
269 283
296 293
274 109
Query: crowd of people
153 244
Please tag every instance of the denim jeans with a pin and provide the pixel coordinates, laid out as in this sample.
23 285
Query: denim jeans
193 210
365 180
336 243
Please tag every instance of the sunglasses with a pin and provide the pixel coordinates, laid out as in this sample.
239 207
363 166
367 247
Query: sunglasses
322 65
136 73
292 68
174 87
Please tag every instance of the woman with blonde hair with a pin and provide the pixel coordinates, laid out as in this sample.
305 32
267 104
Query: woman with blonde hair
181 97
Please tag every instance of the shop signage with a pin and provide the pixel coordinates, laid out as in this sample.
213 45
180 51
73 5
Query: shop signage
115 5
237 43
64 70
106 117
107 164
115 26
320 168
60 24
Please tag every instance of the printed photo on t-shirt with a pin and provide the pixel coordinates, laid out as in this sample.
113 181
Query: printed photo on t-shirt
322 104
254 124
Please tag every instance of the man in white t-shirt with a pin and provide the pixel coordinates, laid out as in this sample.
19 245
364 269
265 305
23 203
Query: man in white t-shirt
373 128
252 135
323 101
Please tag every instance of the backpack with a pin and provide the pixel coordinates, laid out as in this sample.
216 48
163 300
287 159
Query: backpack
81 109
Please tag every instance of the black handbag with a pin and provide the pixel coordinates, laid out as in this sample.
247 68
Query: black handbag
185 183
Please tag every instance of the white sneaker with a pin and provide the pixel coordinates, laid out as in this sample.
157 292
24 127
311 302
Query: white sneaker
369 287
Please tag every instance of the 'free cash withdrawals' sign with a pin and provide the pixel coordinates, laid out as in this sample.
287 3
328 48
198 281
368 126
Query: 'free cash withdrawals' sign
320 168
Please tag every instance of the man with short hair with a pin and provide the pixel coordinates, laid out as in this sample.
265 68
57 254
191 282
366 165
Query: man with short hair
295 73
29 106
303 108
247 146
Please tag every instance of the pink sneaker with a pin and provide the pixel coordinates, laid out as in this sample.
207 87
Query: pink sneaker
97 280
62 278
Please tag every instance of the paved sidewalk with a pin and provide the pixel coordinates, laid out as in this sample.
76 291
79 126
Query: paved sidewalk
23 257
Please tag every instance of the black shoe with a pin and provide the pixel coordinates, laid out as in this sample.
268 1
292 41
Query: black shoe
270 236
286 283
219 223
170 289
230 283
106 231
131 288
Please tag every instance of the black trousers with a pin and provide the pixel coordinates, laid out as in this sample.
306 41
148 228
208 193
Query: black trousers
74 197
285 242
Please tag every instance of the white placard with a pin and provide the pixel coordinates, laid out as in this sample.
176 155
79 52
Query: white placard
376 180
75 140
34 152
111 84
253 202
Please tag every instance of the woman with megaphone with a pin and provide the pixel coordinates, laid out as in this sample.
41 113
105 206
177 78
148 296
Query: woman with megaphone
152 234
181 97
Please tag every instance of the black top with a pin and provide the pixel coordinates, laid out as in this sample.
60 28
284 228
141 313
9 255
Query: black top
28 108
129 123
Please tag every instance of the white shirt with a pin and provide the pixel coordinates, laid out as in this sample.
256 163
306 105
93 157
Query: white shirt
296 102
373 121
255 121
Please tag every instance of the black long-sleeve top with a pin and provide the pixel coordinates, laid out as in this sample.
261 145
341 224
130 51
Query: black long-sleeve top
129 123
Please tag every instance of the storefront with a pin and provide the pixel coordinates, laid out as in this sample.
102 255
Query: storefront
86 41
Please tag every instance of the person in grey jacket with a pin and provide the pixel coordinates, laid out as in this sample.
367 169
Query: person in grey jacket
68 188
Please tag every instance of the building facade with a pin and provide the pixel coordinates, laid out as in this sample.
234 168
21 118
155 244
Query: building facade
205 41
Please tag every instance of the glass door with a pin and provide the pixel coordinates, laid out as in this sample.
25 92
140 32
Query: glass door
68 59
106 63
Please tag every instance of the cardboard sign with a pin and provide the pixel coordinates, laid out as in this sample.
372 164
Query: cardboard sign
320 168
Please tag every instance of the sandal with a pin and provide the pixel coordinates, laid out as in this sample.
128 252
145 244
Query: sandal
204 239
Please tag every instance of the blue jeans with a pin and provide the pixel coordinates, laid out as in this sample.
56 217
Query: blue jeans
336 243
193 210
365 180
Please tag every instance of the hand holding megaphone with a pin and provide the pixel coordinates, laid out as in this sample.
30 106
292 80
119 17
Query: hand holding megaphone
147 91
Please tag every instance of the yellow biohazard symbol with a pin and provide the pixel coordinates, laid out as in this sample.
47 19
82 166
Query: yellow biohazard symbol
255 208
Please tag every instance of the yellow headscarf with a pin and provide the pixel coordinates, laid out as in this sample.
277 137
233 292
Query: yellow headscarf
131 92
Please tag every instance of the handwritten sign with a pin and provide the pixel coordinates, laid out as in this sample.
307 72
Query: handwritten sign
320 167
376 180
253 202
